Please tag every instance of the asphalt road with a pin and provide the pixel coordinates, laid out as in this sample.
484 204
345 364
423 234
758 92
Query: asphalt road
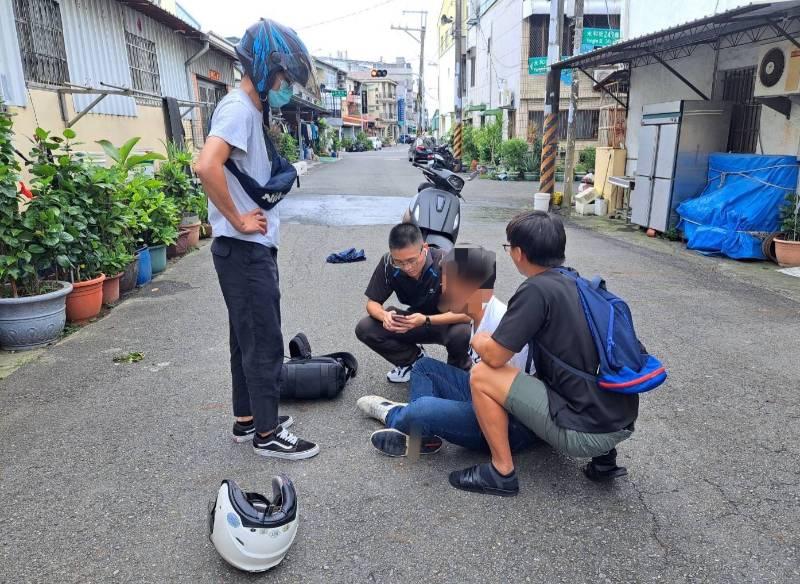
107 469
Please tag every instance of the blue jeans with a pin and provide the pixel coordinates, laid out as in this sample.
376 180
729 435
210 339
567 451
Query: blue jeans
440 404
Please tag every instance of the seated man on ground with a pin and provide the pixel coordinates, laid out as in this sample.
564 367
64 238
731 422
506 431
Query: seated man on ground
412 271
568 412
440 404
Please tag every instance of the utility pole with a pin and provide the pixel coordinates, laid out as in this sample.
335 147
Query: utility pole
569 162
458 132
552 96
423 20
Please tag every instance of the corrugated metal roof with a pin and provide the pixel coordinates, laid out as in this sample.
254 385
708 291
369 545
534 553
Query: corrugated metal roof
96 52
12 79
170 49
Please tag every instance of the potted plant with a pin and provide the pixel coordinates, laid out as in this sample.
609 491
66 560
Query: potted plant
132 187
533 161
179 185
32 307
67 181
162 220
787 245
336 143
513 153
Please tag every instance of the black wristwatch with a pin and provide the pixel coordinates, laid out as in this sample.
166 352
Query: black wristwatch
427 321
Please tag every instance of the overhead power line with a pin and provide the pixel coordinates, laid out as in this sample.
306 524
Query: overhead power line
349 15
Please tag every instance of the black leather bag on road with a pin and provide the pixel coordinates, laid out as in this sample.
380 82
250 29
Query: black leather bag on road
305 377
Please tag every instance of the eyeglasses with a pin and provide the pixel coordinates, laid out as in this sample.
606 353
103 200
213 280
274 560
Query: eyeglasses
507 247
408 263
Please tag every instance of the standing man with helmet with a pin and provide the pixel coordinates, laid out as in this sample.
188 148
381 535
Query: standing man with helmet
245 178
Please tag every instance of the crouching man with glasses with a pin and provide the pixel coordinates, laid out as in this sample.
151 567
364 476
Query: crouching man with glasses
412 272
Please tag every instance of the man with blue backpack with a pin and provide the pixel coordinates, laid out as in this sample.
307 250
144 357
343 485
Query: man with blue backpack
590 366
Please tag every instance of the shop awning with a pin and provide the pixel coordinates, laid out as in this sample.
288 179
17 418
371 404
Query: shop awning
300 105
756 23
475 108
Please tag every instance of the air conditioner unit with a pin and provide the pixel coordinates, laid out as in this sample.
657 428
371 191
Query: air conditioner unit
600 74
507 98
778 70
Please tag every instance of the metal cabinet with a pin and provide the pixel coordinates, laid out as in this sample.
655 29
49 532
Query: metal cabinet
675 140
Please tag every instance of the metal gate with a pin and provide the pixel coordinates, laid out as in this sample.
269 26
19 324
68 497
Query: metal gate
737 87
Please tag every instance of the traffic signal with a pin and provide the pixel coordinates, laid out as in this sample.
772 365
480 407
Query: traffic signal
379 73
364 109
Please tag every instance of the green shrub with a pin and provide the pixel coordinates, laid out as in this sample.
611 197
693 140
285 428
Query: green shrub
587 158
513 154
363 140
488 140
790 218
469 149
289 148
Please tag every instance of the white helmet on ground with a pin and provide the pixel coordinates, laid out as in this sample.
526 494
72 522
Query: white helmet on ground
248 530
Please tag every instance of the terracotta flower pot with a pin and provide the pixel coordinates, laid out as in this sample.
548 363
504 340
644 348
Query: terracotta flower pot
129 277
85 300
194 234
787 252
111 289
181 246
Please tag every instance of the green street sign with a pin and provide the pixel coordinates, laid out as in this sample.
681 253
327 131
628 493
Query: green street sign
600 37
537 66
339 93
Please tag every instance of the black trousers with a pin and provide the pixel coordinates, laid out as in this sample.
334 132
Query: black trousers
248 277
401 348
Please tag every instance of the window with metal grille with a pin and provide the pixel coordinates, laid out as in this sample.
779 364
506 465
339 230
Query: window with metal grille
41 41
737 86
586 123
538 25
143 63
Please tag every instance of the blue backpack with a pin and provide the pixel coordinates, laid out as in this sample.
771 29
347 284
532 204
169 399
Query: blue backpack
625 366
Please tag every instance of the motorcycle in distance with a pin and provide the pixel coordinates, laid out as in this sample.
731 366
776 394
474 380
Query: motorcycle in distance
436 208
448 160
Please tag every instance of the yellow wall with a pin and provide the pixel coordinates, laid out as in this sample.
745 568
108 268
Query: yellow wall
149 124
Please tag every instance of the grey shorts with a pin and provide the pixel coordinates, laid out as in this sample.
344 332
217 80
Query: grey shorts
527 401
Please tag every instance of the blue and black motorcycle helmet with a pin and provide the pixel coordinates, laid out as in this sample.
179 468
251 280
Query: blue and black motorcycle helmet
268 48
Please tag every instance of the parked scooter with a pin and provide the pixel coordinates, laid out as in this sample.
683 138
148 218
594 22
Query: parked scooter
448 160
436 208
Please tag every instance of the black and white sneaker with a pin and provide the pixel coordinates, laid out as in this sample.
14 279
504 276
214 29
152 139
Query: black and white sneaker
402 373
245 432
283 444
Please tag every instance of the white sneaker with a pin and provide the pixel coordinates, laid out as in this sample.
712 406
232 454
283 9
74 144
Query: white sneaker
402 373
376 406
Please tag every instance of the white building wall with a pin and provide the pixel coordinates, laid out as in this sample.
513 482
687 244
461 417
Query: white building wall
499 70
447 88
654 84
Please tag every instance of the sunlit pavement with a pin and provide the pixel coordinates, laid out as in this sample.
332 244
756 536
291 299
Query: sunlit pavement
107 468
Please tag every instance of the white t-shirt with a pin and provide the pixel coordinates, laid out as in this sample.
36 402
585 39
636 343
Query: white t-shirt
238 121
492 315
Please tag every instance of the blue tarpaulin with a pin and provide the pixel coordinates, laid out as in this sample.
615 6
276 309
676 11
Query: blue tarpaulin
740 204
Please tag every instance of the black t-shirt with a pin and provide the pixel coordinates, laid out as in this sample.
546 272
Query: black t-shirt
546 309
420 295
